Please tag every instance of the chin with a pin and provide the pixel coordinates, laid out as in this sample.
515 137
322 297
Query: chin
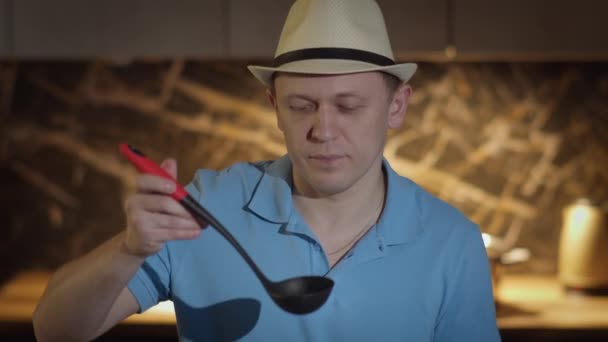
329 185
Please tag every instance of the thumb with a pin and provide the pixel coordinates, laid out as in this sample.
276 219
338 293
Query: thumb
170 166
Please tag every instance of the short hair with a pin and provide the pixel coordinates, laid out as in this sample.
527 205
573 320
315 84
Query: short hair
392 82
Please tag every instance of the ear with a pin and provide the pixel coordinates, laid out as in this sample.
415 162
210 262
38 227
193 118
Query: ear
271 96
398 105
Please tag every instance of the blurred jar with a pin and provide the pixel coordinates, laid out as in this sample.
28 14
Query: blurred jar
583 248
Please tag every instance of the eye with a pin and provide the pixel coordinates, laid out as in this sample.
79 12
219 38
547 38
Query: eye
301 106
298 108
347 108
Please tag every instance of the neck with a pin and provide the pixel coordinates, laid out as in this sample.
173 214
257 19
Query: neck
349 208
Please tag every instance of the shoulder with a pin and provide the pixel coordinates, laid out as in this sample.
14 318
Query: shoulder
238 178
430 210
436 212
425 215
447 230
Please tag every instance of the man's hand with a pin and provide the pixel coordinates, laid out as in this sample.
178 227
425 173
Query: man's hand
154 217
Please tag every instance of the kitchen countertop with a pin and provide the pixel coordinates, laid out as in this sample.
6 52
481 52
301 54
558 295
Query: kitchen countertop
524 302
540 302
18 299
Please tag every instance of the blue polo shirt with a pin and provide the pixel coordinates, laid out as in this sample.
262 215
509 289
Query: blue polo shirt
420 274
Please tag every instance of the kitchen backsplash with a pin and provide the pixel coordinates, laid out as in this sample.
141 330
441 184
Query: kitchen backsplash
510 144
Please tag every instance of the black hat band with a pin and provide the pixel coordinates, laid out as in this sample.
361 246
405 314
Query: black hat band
332 53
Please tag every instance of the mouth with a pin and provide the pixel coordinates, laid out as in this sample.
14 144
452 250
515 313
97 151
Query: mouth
326 157
326 161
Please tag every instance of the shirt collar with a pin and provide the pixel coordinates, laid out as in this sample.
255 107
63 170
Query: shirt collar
400 221
271 198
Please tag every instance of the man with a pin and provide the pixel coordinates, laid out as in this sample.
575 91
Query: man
406 266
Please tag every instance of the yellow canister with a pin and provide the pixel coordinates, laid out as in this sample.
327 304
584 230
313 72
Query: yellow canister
583 247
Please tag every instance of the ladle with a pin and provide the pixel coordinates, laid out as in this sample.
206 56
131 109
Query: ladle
299 295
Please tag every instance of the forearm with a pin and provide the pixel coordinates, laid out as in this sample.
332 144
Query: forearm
80 295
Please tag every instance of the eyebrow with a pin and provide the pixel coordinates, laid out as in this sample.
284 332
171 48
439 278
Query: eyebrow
298 96
339 96
349 94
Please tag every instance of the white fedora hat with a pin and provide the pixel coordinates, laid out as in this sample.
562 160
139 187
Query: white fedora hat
333 37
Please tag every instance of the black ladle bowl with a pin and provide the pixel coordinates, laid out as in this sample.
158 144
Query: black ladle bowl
300 295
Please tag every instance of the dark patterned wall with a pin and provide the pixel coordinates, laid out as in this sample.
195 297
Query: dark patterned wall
509 144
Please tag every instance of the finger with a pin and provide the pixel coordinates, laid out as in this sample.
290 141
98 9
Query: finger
154 184
160 227
178 234
175 222
170 166
155 203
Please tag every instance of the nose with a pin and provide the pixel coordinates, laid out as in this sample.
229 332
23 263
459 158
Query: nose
324 126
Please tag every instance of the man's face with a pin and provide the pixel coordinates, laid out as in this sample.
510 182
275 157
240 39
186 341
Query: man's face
335 126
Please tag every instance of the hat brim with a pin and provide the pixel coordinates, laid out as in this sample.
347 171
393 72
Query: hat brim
264 74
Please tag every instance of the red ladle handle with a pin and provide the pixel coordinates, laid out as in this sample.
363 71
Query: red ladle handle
144 164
